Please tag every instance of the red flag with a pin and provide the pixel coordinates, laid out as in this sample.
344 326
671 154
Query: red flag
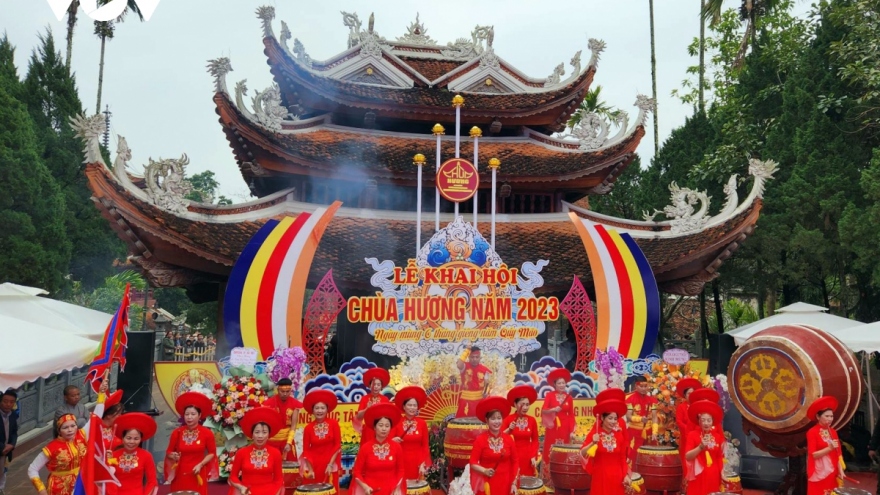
94 472
112 345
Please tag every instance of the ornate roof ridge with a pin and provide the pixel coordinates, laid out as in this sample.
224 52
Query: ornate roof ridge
369 44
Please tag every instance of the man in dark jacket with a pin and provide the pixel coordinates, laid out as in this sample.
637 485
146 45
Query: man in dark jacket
8 432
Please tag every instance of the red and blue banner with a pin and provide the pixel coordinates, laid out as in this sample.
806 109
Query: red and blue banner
93 470
627 298
113 344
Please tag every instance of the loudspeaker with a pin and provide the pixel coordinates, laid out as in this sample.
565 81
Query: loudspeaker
721 349
136 381
762 473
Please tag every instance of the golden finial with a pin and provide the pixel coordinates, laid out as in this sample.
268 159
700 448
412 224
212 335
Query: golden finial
438 130
457 101
476 132
419 160
494 163
369 71
488 81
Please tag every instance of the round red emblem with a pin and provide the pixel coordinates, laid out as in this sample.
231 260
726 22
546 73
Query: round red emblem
457 180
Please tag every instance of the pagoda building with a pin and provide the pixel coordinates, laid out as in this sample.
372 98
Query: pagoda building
347 128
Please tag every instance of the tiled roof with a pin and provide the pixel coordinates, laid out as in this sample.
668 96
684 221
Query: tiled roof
348 240
432 68
389 155
550 107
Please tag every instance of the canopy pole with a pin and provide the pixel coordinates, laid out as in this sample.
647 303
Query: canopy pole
867 362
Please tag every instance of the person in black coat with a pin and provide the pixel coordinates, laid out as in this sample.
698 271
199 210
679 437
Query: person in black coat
872 449
8 432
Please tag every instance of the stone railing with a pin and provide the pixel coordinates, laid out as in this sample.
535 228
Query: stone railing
37 401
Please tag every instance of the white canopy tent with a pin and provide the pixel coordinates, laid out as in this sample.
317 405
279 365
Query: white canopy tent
36 351
861 338
795 314
24 303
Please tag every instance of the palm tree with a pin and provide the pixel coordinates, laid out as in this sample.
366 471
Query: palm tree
654 79
749 11
592 103
105 30
71 23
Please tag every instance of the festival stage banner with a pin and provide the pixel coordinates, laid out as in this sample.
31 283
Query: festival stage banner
175 378
456 292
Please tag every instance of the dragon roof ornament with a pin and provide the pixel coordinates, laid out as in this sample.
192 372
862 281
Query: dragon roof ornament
417 34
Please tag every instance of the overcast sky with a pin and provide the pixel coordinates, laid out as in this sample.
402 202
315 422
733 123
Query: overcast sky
160 94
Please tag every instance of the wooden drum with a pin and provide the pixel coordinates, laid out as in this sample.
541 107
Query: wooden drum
461 433
292 479
529 485
781 370
567 468
417 487
316 489
660 466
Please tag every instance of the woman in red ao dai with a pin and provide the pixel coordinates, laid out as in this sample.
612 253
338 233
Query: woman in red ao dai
825 468
322 440
412 433
523 428
135 468
379 467
605 451
494 463
191 461
256 469
704 448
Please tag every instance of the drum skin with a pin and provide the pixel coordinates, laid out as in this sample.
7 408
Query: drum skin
529 485
567 468
461 433
781 370
660 467
316 489
417 487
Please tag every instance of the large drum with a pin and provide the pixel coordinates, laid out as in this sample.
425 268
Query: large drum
316 489
529 485
779 371
417 487
461 433
292 479
567 468
660 466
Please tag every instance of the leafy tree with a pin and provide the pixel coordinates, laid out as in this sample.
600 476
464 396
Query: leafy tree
51 96
204 187
202 317
105 30
107 296
33 239
735 313
858 56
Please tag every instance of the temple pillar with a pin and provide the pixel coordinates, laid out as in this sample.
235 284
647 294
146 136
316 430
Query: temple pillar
222 348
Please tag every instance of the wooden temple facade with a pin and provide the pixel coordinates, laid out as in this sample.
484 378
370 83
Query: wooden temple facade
347 129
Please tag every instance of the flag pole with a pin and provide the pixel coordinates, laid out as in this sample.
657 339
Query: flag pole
476 133
418 161
457 102
438 131
494 164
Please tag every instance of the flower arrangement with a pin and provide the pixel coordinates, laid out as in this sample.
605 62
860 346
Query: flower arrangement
234 397
288 362
436 434
225 460
662 380
610 369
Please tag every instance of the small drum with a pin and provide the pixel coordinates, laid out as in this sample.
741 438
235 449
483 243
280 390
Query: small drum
185 492
636 485
850 491
417 487
316 489
292 479
732 485
529 485
722 493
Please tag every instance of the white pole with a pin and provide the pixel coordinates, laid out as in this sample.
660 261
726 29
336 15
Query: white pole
418 161
867 362
494 163
477 167
457 102
438 131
